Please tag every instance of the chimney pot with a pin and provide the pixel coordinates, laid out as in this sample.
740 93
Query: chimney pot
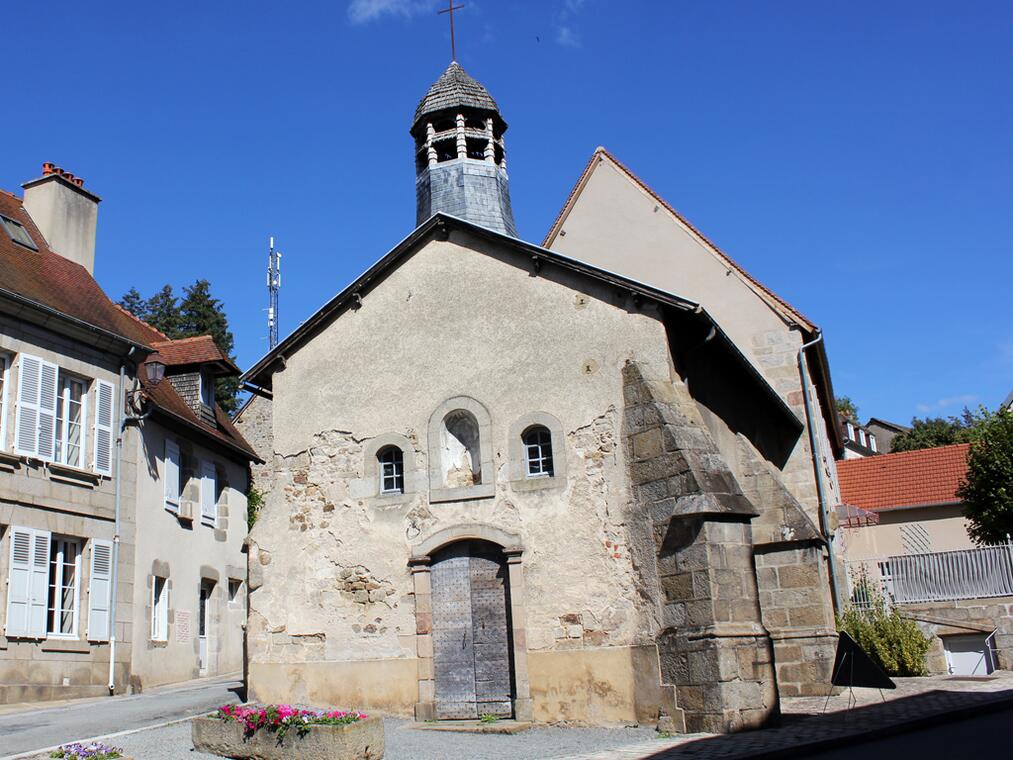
57 170
47 168
68 176
79 181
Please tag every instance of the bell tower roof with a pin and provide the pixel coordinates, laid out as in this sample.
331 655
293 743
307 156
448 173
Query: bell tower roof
454 90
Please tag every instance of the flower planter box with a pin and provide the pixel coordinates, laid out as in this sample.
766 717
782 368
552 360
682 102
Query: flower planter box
362 740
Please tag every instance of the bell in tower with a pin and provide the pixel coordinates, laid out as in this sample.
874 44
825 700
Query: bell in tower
460 163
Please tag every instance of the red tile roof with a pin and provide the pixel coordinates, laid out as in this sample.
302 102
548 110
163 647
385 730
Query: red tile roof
54 282
905 479
200 349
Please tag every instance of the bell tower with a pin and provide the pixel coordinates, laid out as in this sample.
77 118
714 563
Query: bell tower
460 162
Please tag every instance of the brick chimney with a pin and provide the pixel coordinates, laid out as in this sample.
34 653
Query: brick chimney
65 213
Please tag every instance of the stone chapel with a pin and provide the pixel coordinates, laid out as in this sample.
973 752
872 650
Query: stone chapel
588 481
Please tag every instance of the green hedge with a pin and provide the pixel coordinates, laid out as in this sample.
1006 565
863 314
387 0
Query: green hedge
894 642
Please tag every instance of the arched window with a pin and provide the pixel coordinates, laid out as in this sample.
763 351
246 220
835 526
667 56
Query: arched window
391 461
461 450
538 451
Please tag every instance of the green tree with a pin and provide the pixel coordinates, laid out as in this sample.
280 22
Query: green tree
199 313
936 431
987 489
846 407
161 311
134 303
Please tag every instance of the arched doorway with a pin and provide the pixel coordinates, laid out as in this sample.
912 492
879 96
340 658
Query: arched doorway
472 647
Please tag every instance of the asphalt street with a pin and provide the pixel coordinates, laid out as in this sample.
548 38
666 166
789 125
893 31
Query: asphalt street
984 736
49 726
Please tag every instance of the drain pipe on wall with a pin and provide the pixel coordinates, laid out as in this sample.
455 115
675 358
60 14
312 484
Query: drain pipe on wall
817 454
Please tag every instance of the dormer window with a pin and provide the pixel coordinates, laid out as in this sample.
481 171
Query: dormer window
207 388
17 233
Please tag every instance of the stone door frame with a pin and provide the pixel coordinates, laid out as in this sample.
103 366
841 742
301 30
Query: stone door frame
420 565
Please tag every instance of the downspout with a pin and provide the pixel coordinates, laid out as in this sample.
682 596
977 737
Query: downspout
817 454
120 422
121 426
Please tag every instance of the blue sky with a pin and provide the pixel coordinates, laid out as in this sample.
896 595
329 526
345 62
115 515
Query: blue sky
857 158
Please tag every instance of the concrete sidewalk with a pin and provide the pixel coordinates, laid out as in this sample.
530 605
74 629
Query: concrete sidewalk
38 726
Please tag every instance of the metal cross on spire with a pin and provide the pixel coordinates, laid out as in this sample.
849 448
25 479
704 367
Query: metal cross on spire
450 9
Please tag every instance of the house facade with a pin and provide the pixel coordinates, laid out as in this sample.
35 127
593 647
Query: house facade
913 549
541 488
81 429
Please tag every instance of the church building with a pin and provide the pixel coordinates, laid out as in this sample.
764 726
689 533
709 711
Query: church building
588 481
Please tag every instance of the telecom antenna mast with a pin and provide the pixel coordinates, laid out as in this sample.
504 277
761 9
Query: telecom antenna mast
273 286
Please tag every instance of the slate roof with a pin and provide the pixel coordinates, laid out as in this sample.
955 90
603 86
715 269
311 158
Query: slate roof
48 281
453 89
905 479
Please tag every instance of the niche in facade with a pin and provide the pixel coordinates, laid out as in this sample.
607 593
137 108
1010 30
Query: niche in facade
460 450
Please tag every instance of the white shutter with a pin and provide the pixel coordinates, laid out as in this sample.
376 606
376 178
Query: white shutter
38 594
100 583
48 393
26 423
19 581
208 489
171 475
104 404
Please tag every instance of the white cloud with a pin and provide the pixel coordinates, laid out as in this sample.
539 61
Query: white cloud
364 11
567 37
946 403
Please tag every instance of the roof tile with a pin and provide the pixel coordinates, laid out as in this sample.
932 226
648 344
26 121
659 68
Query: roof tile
905 479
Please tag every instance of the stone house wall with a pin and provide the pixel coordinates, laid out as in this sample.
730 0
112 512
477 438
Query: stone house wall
74 503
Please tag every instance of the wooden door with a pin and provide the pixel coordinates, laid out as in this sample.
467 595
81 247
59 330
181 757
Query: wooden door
471 631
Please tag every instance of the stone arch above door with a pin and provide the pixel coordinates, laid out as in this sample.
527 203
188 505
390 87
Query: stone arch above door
511 542
421 569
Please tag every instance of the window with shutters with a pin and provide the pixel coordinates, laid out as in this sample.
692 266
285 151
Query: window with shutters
64 585
35 418
159 608
172 475
100 582
105 412
27 583
209 494
5 365
391 461
538 452
71 420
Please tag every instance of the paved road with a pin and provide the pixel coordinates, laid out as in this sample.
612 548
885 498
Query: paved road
47 727
986 736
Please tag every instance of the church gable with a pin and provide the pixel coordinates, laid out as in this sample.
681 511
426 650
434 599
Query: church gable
614 221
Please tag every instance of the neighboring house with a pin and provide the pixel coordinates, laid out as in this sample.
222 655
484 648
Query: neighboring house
885 432
104 567
917 553
859 440
1008 403
510 480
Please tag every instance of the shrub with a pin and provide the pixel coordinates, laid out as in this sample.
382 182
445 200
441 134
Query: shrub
278 719
254 503
895 643
87 751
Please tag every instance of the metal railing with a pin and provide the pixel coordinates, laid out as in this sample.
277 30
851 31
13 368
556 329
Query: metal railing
937 577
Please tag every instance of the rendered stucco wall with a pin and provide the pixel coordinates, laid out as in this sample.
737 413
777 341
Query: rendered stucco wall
184 553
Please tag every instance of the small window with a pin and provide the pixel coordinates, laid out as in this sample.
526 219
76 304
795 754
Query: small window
235 590
872 442
538 452
71 408
64 575
391 461
207 388
159 609
18 233
850 434
861 436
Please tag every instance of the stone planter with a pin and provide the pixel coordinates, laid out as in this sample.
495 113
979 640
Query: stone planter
362 740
